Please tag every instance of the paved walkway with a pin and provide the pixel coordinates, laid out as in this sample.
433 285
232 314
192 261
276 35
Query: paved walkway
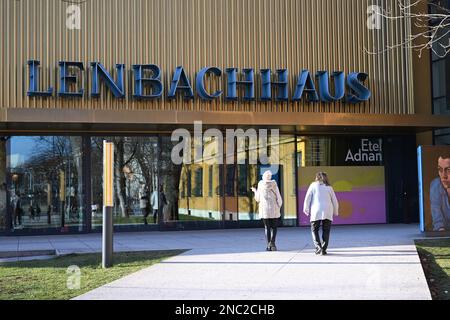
364 262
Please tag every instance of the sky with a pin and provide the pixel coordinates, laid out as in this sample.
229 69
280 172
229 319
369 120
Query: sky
21 149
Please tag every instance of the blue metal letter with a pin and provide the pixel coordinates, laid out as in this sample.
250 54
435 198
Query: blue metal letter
200 84
354 81
154 82
304 80
65 78
339 86
99 71
178 76
34 73
249 84
282 85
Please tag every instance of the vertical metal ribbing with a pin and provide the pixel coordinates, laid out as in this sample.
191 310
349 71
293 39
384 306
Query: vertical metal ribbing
409 70
396 71
389 54
308 34
2 52
383 72
357 45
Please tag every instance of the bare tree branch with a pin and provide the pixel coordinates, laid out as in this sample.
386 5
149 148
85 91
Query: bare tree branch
434 25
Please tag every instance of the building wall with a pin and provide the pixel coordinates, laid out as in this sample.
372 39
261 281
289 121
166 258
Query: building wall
308 34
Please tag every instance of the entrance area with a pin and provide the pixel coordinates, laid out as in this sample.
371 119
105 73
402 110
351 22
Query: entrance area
53 184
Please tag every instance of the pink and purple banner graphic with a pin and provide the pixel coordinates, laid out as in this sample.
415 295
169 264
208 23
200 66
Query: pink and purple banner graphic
360 192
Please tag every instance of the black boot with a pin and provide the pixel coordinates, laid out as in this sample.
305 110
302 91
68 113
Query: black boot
268 237
273 247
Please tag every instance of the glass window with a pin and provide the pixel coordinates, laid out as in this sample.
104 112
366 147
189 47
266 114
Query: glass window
314 151
248 177
445 131
198 182
442 140
440 106
45 182
281 156
136 180
287 180
439 81
441 78
438 51
442 136
189 181
210 181
243 180
219 188
195 206
150 186
3 185
230 178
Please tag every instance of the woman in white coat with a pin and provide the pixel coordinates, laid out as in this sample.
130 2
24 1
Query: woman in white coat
269 198
321 205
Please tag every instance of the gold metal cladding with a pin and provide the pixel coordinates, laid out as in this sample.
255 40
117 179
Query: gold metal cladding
108 174
308 34
131 120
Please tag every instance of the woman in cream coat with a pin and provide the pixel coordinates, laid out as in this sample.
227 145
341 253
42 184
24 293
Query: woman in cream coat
321 205
269 198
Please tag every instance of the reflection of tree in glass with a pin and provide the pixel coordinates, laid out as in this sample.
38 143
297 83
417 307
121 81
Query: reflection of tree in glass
170 178
135 168
3 187
121 160
54 157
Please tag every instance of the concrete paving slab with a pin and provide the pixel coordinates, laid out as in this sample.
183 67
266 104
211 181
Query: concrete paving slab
365 262
9 247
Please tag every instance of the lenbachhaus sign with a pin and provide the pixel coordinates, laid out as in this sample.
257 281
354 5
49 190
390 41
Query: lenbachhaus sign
148 83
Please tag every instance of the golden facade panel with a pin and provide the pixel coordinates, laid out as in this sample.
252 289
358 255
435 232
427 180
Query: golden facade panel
315 35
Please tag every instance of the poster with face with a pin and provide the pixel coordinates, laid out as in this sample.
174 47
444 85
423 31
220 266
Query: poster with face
434 188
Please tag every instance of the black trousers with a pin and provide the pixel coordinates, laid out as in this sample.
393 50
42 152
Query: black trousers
18 218
155 215
326 226
270 226
145 213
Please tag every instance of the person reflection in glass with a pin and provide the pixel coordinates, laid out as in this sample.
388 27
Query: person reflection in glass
18 211
155 200
143 202
440 195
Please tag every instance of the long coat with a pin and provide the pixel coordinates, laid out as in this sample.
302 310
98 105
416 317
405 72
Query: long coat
269 198
320 202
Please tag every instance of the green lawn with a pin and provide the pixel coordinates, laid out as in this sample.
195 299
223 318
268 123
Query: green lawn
192 218
47 279
435 257
140 219
125 220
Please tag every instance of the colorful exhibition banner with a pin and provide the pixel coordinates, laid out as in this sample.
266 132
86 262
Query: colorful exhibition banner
359 189
434 188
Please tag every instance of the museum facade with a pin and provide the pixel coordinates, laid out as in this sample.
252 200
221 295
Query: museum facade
314 76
